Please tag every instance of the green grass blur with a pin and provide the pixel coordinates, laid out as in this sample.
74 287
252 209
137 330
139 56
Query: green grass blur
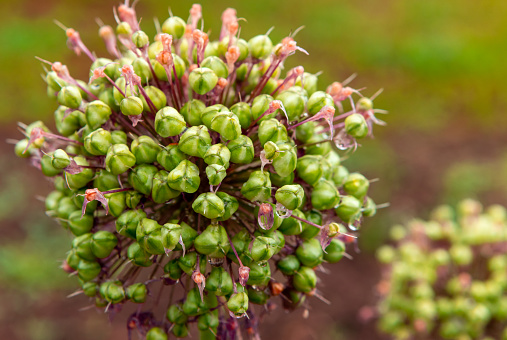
441 64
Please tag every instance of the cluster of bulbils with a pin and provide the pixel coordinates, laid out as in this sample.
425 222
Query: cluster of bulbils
197 160
447 278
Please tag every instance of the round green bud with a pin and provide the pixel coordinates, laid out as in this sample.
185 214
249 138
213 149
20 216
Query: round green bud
285 160
172 270
309 168
82 245
259 275
180 331
188 263
310 253
170 157
192 111
52 200
112 291
174 26
22 149
66 206
123 28
54 82
310 231
133 198
217 154
107 97
60 159
157 97
195 141
260 105
119 159
140 39
216 65
258 186
211 112
213 241
70 96
227 125
80 225
77 181
46 165
175 313
305 280
127 222
340 175
185 177
293 103
349 209
149 234
118 96
142 69
238 303
241 72
356 126
219 281
68 123
270 150
212 49
73 259
306 131
263 248
215 173
161 192
188 235
145 149
244 113
260 46
141 178
89 288
290 196
356 185
231 204
292 226
103 243
202 80
288 265
318 100
156 333
117 202
209 205
118 137
369 207
279 181
257 296
98 142
208 321
310 82
88 270
137 292
364 104
131 106
324 195
272 130
242 150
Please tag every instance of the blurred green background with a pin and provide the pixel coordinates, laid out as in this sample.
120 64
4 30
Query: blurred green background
442 67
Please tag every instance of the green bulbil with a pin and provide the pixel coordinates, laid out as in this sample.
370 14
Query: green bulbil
145 150
209 205
258 187
119 159
185 177
213 241
169 123
195 141
170 157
